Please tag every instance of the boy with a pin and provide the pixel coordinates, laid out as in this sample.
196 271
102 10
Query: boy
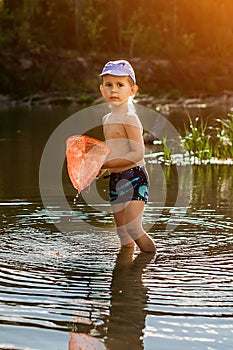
123 134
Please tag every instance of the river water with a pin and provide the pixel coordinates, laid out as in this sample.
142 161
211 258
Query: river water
76 289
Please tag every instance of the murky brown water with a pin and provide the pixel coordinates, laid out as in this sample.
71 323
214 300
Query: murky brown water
56 287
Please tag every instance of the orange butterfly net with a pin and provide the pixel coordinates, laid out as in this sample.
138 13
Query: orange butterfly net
85 156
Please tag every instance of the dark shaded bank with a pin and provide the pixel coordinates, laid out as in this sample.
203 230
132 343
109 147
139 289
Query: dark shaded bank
26 74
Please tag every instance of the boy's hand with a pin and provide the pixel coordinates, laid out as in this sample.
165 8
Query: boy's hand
101 172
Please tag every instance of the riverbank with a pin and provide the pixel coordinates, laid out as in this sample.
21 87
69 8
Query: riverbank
164 104
64 78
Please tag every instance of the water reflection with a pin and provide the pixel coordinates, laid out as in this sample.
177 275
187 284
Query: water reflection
213 187
82 341
129 299
23 135
125 324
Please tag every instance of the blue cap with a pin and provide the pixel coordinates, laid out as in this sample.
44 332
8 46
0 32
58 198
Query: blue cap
119 68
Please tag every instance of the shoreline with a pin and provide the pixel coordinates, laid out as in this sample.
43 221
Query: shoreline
163 103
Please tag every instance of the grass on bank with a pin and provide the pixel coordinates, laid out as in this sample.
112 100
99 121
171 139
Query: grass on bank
200 144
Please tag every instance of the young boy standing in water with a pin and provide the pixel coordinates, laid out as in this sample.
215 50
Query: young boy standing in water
124 135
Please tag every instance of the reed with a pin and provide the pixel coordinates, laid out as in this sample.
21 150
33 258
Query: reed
223 147
166 151
197 140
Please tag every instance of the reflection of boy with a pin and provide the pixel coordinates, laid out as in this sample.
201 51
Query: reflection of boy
82 341
123 134
124 326
129 298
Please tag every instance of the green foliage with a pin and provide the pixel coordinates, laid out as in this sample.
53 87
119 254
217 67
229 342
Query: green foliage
140 27
92 26
138 34
85 99
6 19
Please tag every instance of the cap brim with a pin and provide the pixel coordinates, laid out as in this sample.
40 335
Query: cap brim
119 74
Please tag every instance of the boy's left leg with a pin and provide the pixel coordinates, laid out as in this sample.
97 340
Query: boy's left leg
133 222
119 216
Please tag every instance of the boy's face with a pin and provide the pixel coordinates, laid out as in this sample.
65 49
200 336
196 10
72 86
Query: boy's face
117 88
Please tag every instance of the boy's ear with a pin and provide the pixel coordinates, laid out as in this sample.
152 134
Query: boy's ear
134 89
101 89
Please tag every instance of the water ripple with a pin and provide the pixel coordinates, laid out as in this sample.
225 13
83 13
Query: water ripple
56 282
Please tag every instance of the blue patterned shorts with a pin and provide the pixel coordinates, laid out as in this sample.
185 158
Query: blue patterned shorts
128 185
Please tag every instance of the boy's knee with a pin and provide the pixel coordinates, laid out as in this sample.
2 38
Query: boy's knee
135 232
125 238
